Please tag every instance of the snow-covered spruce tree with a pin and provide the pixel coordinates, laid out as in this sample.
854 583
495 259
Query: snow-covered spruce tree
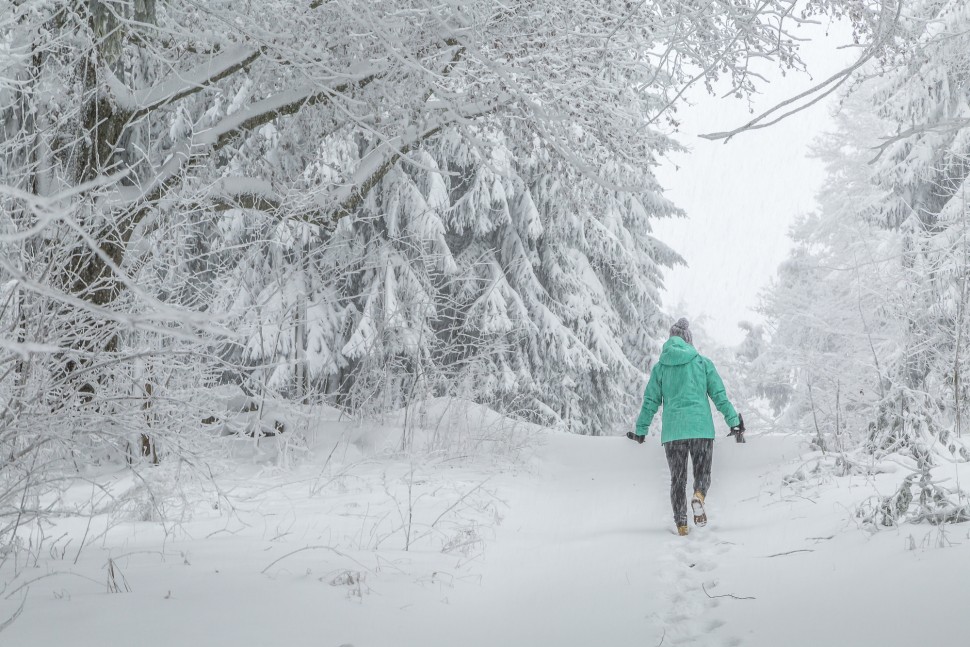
831 310
832 319
511 280
922 174
743 367
567 275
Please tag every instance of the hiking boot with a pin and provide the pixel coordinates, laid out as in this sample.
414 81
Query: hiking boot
682 531
697 505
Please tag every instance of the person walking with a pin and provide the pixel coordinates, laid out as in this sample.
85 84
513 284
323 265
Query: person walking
682 381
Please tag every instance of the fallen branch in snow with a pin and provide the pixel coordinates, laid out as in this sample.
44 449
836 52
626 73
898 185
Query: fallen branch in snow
791 552
726 595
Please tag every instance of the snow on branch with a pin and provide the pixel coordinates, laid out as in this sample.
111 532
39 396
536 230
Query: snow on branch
186 83
180 84
253 116
250 193
942 127
266 110
244 193
379 161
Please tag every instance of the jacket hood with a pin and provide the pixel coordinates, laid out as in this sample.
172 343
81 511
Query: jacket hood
676 352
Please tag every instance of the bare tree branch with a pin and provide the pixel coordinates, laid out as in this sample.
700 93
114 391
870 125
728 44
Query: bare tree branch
819 90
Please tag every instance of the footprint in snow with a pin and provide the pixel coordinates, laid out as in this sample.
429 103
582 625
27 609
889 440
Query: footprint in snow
686 569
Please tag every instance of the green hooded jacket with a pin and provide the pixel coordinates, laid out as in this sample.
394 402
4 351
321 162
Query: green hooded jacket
681 381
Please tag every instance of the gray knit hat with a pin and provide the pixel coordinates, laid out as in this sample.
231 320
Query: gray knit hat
682 329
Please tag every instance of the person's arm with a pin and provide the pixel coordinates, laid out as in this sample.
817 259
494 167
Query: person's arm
652 399
715 391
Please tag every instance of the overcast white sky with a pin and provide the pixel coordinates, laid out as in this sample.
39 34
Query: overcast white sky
741 197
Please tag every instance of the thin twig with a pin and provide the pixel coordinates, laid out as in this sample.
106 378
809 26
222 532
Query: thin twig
791 552
463 497
726 595
87 529
9 621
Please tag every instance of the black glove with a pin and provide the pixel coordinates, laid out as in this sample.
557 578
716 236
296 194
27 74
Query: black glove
738 430
633 436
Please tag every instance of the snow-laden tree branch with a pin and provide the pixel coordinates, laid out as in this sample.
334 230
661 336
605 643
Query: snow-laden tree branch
882 32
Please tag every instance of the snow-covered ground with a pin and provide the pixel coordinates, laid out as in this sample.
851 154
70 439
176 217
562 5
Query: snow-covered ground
564 541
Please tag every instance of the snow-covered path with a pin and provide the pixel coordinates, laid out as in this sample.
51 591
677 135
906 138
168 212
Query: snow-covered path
584 556
589 556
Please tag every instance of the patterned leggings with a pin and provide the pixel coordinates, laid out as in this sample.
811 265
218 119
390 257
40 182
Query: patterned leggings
701 452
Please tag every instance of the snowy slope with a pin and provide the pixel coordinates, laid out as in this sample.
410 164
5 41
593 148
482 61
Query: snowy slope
571 546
